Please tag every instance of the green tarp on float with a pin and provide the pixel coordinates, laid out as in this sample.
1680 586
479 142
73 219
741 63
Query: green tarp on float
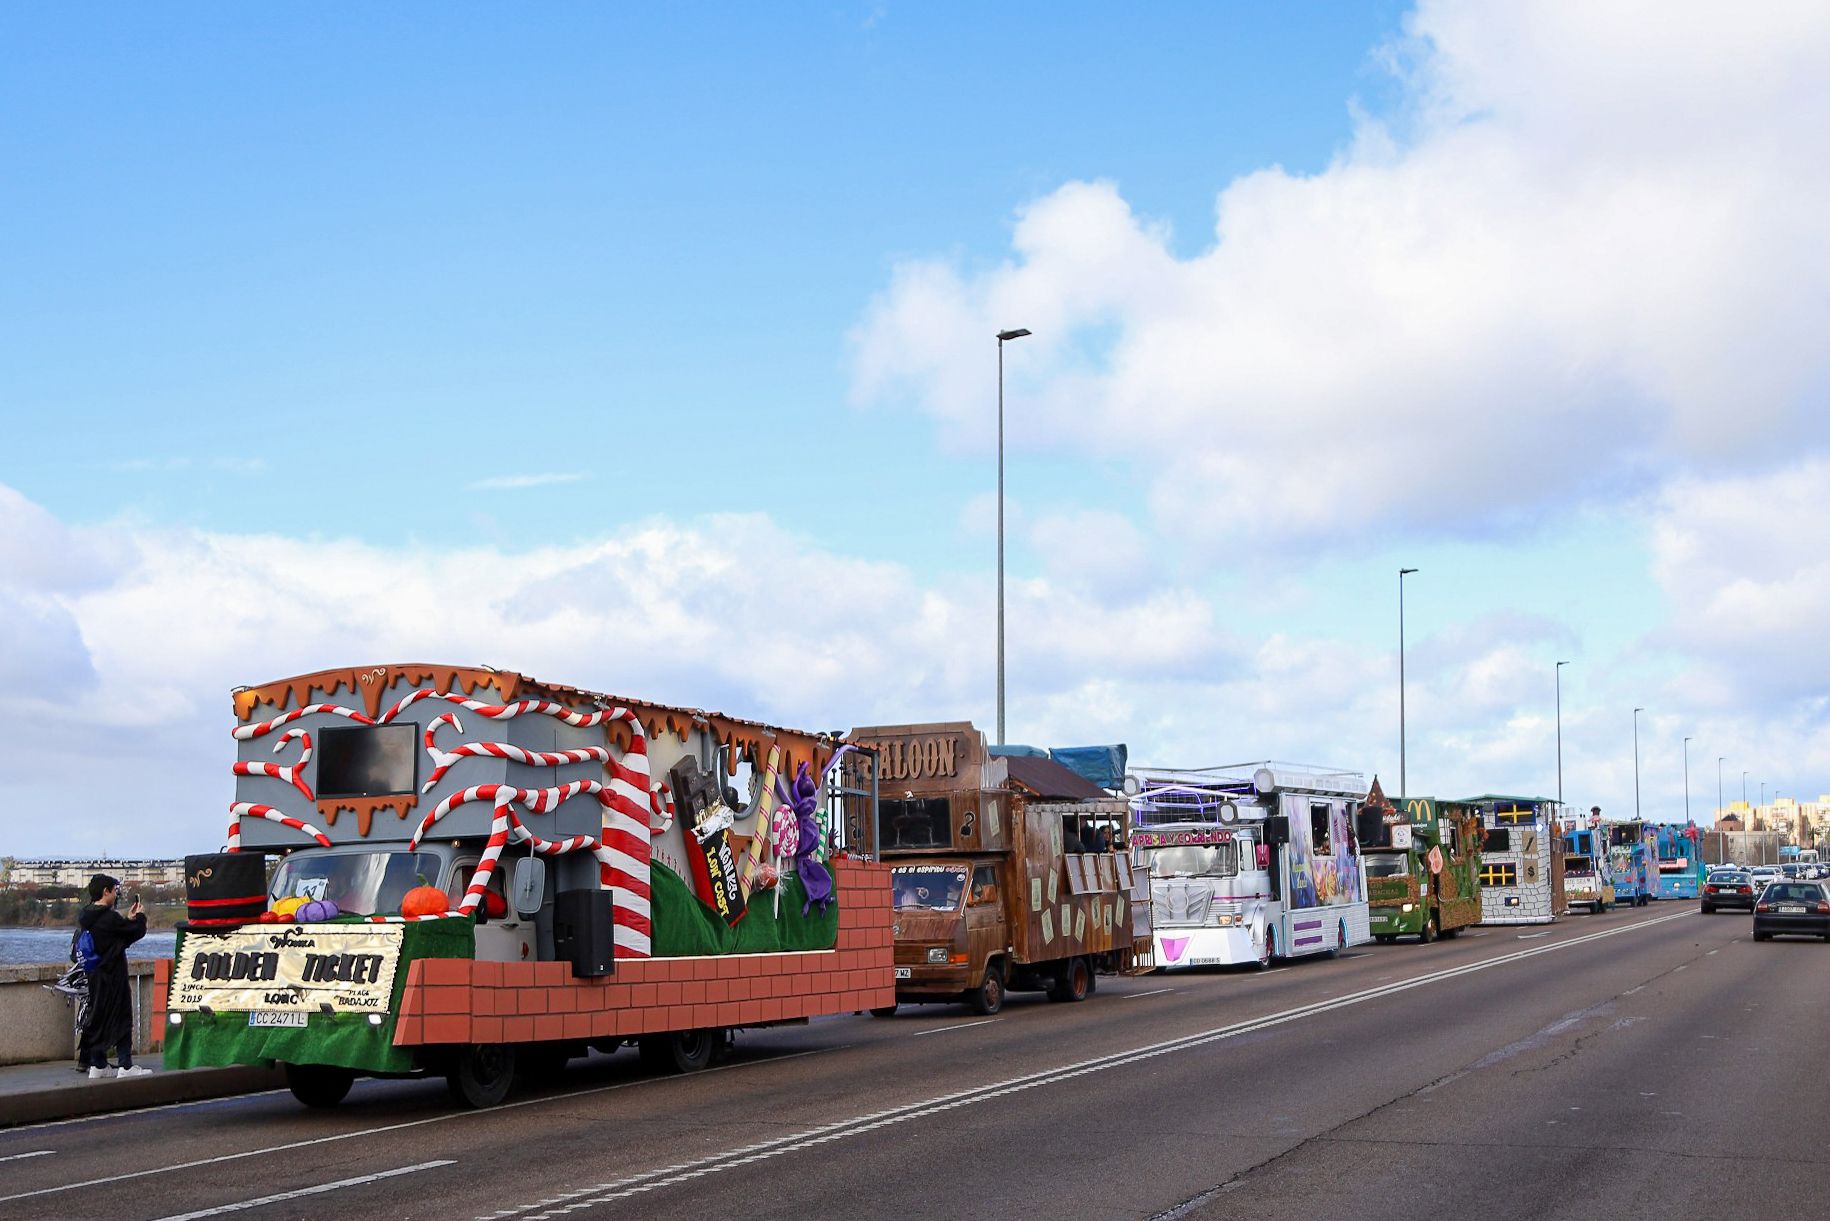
684 927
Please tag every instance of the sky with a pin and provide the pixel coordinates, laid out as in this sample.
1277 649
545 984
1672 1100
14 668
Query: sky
651 350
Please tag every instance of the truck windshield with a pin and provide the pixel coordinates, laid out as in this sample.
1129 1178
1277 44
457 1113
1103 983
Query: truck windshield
1196 861
366 883
1578 867
936 888
1386 864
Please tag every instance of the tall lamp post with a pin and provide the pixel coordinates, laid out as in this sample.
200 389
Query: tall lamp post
1686 781
1559 672
1719 759
1636 713
1744 792
1403 788
1004 337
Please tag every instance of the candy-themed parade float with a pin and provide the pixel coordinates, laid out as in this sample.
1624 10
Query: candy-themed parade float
468 872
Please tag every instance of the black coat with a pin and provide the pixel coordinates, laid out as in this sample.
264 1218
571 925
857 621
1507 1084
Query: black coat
110 1017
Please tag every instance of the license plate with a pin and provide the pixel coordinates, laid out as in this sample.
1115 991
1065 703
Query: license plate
269 1017
1791 909
902 973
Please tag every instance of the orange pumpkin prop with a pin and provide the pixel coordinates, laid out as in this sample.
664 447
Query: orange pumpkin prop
425 901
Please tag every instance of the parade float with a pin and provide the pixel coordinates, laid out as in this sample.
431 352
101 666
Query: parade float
469 873
1008 874
1422 866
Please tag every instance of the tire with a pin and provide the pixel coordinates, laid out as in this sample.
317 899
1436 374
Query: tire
1644 899
319 1085
1759 936
680 1051
482 1075
1708 910
1429 931
885 1011
1270 950
1595 909
1385 938
988 997
1073 982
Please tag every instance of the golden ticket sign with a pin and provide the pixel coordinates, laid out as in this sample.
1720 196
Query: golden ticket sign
289 969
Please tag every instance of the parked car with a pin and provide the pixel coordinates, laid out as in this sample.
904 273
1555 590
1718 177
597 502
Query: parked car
1728 888
1793 908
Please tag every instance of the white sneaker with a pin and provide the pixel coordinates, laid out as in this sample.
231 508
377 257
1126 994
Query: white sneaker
100 1074
136 1071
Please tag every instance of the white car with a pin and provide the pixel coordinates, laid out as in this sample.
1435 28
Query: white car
1765 875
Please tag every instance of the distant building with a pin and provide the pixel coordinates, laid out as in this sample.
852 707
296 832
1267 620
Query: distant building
46 872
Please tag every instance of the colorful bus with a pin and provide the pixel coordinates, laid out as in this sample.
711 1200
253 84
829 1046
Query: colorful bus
1632 846
1588 870
1680 862
1521 867
1249 863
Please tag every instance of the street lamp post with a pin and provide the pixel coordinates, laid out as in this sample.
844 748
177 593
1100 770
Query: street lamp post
1003 338
1636 713
1719 759
1686 781
1559 672
1744 790
1403 789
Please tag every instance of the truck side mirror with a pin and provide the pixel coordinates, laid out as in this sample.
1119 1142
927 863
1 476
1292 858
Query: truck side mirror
530 885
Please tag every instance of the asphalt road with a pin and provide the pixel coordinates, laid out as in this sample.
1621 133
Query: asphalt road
1647 1062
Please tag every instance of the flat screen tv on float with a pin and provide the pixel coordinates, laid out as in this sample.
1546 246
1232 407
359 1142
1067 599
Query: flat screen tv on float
368 761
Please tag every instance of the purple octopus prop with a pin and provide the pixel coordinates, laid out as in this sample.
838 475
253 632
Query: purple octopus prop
804 799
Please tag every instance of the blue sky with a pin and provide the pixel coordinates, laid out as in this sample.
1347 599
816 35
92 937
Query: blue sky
654 313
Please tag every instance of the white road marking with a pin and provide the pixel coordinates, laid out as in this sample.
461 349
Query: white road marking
1716 951
447 1117
1532 936
716 1163
320 1189
1131 996
13 1157
956 1026
1679 967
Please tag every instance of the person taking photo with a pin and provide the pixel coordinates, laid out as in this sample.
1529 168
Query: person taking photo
109 1021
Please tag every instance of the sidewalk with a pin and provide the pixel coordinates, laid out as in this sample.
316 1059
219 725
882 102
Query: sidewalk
35 1093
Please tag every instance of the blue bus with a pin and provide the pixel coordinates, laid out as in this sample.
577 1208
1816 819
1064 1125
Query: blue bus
1680 862
1629 855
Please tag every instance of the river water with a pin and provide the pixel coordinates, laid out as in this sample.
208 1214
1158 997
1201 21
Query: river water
26 946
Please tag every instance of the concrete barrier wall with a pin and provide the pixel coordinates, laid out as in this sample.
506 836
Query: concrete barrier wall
37 1025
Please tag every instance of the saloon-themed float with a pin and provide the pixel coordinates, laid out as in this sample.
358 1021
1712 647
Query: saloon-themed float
474 872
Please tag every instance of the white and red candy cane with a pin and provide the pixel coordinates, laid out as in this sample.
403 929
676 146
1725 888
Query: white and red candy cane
247 809
290 773
502 712
661 807
248 732
442 760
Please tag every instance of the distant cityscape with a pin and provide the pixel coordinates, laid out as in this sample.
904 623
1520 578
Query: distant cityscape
147 873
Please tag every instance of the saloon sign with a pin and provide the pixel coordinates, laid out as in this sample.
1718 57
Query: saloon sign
293 969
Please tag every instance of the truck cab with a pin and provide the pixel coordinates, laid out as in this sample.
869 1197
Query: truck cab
1588 872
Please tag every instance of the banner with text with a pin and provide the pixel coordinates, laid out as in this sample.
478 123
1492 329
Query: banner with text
293 969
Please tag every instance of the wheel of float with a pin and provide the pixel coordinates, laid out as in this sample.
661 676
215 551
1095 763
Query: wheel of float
885 1011
1071 984
1268 950
1429 930
482 1075
1385 938
680 1051
319 1085
988 997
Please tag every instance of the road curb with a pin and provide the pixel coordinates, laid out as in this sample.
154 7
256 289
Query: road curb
82 1097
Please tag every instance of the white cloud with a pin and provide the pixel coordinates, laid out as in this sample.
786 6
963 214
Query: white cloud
127 639
1588 250
515 483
